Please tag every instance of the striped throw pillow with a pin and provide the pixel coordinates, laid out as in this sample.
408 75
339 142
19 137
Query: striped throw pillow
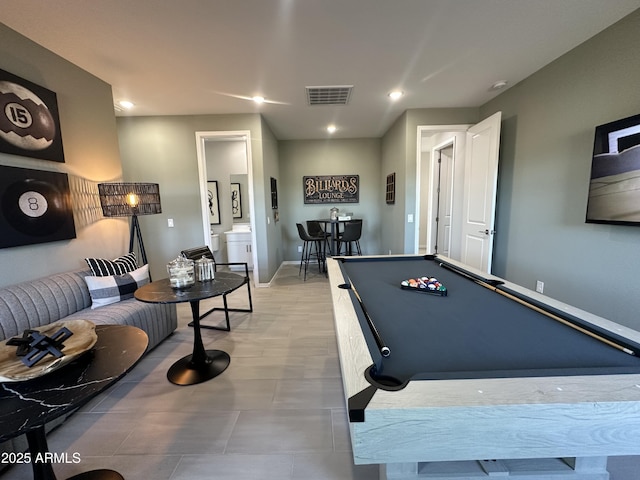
101 267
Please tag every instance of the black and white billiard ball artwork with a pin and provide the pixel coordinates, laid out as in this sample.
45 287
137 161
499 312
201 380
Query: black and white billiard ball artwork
29 120
35 207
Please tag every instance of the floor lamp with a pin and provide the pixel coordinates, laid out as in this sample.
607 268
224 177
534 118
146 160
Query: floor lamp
131 200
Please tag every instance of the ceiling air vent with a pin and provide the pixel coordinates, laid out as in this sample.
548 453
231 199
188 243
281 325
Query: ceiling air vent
333 95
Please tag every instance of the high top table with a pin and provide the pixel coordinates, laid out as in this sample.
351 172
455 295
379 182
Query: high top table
25 407
334 229
201 365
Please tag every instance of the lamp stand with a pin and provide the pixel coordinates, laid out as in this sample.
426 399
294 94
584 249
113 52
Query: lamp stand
135 231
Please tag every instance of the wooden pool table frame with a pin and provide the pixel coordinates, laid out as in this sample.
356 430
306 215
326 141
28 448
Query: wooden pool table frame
521 425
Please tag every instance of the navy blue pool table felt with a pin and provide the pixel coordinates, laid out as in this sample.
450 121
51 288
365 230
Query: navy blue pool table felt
476 333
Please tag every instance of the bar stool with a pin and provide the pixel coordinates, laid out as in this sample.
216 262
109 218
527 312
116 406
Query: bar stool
315 230
309 243
351 234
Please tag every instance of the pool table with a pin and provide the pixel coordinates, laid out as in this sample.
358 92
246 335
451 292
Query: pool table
491 379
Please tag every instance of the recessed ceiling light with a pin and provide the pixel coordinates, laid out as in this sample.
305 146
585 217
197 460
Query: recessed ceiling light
499 85
126 104
396 94
258 99
332 128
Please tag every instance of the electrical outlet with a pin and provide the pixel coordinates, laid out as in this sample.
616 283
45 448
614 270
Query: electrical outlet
299 248
539 286
170 222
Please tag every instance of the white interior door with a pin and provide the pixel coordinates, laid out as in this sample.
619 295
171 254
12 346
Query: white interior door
444 206
480 189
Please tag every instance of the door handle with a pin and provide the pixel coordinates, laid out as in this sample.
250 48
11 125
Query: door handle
487 232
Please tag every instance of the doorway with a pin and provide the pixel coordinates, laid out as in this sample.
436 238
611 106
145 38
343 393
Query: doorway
439 193
463 207
443 185
241 176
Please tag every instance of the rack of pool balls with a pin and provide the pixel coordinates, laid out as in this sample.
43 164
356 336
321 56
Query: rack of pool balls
424 285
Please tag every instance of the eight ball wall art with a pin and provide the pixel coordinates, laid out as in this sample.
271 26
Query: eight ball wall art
29 120
35 207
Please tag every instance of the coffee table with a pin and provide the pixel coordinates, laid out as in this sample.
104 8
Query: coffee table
201 365
25 407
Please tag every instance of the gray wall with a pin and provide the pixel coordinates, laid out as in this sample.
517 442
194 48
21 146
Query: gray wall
547 140
91 156
272 236
399 150
299 158
163 150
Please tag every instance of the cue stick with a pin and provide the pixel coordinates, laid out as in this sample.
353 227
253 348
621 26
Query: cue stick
385 351
543 311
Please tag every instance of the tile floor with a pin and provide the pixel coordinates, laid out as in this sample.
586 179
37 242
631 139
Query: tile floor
277 412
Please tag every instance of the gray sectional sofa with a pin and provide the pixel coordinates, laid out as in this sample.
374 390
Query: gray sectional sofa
66 296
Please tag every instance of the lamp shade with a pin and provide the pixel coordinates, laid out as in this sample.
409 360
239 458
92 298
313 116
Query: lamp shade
128 199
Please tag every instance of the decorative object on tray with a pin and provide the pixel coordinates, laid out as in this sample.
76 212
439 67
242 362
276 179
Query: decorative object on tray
33 346
83 337
424 285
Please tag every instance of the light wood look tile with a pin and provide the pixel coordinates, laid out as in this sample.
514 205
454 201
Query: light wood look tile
277 412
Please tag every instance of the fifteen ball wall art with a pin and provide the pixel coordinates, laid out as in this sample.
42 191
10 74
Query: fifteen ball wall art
29 119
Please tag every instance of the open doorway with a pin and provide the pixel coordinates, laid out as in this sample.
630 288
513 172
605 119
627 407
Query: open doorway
456 200
440 169
444 156
226 192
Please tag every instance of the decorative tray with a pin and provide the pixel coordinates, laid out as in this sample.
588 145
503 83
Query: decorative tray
83 339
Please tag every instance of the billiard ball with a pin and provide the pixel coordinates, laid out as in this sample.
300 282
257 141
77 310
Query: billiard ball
25 120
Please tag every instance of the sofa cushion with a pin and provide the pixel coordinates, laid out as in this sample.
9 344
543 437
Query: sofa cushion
101 267
42 301
114 288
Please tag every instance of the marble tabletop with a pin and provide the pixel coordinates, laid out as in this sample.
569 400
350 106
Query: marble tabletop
161 291
27 405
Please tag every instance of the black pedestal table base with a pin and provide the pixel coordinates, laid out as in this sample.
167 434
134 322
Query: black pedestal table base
44 470
186 372
98 475
201 365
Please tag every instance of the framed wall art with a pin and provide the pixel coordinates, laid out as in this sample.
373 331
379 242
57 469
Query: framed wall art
390 193
274 193
29 119
35 207
236 201
331 189
214 204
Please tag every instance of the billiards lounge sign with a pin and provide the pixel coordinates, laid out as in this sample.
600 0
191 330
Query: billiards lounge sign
29 121
331 189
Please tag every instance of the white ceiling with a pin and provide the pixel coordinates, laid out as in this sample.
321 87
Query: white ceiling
197 56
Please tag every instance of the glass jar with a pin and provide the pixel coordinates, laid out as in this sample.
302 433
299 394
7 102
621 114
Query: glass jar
334 213
181 272
205 269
